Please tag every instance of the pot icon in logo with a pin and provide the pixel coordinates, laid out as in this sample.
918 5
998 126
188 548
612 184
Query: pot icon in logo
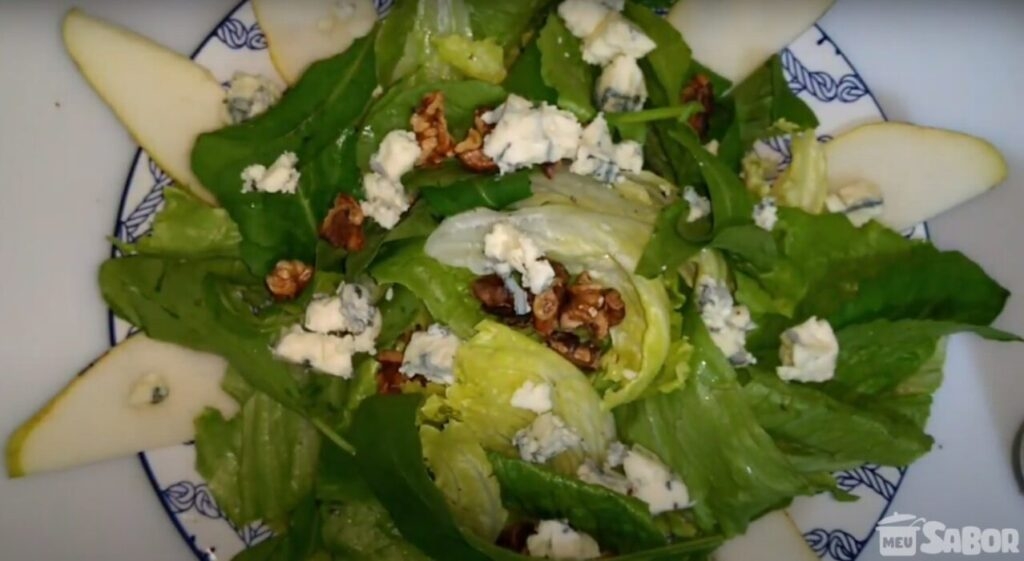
897 535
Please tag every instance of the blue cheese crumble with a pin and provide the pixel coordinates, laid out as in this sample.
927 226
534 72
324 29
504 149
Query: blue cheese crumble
700 206
431 354
653 482
766 213
525 135
249 95
861 202
621 86
533 397
386 199
280 177
511 250
396 155
809 352
727 322
583 16
555 539
546 437
616 36
599 157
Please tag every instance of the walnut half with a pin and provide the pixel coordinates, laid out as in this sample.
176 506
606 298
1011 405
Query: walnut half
431 129
288 279
583 354
471 150
700 90
343 226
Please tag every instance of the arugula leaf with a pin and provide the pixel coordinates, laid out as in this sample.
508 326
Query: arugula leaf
444 290
563 69
670 60
730 200
261 463
405 43
393 110
506 22
402 313
188 227
491 191
621 522
748 243
310 121
300 543
417 224
666 250
524 78
708 434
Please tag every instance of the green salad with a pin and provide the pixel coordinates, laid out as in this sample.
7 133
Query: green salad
510 279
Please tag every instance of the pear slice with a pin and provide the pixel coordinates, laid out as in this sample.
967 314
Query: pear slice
301 32
139 395
921 172
735 37
164 99
773 537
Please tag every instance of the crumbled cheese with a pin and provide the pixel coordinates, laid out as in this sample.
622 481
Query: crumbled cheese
524 135
546 437
700 206
520 298
583 16
653 482
616 36
598 156
860 201
389 295
533 397
621 86
712 146
808 352
431 354
249 95
386 200
616 454
280 177
511 250
396 155
555 539
590 472
766 213
333 330
727 323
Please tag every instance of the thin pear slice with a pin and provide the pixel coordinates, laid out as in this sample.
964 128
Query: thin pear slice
301 32
140 395
164 99
734 37
921 172
773 537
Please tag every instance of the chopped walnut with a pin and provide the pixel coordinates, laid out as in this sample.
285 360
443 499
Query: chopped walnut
343 226
700 90
546 305
389 378
495 297
288 279
585 355
471 150
431 128
593 307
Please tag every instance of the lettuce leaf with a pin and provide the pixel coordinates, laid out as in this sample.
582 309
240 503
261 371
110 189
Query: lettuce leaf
562 68
311 120
524 77
620 522
188 227
444 290
405 41
493 192
670 60
804 184
481 60
463 473
708 434
506 22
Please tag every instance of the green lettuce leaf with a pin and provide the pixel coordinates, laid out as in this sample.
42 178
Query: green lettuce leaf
670 60
301 541
667 250
730 202
261 463
481 60
405 42
506 22
804 184
444 290
562 68
708 434
524 78
418 223
494 192
463 473
620 522
310 120
188 227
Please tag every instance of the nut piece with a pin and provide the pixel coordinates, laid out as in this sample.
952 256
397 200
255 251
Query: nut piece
584 355
590 306
389 379
343 226
700 90
288 279
494 296
471 150
431 128
547 304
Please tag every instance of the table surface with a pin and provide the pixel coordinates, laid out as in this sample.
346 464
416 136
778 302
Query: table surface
63 158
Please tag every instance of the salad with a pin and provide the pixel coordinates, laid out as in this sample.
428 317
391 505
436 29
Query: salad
497 280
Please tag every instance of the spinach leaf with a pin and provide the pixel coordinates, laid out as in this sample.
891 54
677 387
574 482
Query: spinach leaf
406 41
622 523
300 543
666 250
328 100
494 192
261 463
506 22
403 312
524 78
444 290
391 43
708 434
393 110
748 243
563 69
417 224
188 227
731 204
670 60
